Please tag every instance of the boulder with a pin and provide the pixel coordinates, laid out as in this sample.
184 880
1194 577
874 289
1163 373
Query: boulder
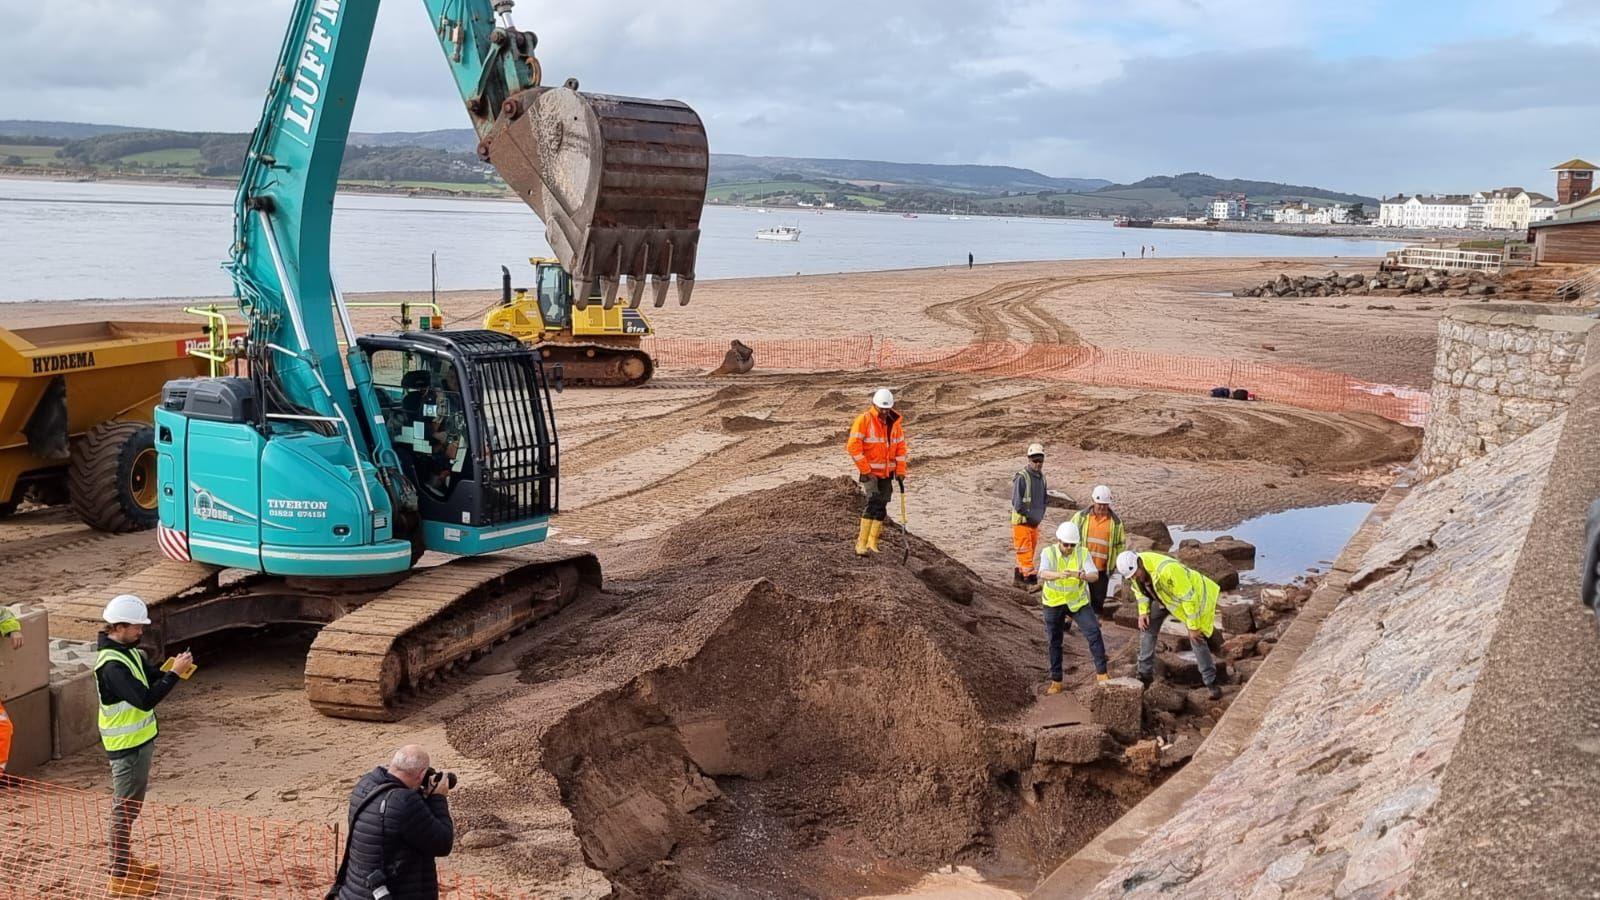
1162 696
1158 533
1239 646
1179 750
1182 668
1117 704
1054 499
1235 615
1212 565
1144 758
1277 600
1415 283
1138 543
1232 549
1246 668
1127 615
1266 615
1073 744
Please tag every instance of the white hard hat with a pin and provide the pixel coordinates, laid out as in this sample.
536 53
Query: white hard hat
126 609
883 398
1035 449
1127 563
1067 532
1101 494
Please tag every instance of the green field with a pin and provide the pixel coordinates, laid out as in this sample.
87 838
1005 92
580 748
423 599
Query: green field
175 158
31 155
752 189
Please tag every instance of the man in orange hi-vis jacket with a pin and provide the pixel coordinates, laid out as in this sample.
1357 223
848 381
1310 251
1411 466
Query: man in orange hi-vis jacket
877 444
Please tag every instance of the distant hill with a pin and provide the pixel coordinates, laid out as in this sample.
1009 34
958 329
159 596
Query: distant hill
450 140
68 131
1197 186
732 167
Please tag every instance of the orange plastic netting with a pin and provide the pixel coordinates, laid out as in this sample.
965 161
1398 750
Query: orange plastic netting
1109 367
54 839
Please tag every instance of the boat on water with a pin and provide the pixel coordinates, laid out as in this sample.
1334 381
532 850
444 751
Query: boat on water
1129 222
781 233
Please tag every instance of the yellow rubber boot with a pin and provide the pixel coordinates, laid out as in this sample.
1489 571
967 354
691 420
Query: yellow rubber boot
861 537
131 886
1102 677
872 535
1054 688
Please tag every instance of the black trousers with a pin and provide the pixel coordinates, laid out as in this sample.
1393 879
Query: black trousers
1097 593
878 491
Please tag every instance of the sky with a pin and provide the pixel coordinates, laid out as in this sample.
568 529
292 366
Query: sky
1357 95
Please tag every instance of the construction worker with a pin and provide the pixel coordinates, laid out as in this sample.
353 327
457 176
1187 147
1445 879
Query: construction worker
130 687
1065 572
1027 511
1102 533
1184 594
877 444
10 626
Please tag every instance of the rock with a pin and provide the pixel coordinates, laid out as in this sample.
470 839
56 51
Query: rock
1232 549
1235 615
1162 696
1277 600
1054 499
1477 290
483 839
1267 616
1246 668
1073 744
1415 283
1380 306
1211 565
1198 702
1189 544
1127 615
1179 750
1117 704
1157 532
1375 285
1239 646
1182 668
1144 758
1138 543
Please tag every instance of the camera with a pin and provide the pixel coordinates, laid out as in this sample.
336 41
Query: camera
432 778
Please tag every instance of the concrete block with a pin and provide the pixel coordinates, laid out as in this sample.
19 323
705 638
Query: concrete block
30 738
1073 744
74 705
1117 704
26 670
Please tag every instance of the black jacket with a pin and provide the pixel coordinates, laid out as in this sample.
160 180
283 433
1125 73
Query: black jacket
402 829
117 684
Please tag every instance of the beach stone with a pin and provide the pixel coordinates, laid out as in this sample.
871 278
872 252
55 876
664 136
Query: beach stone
1158 533
1278 600
1212 565
1182 668
1239 646
1162 696
1073 744
1232 549
1054 499
1235 615
1117 704
1246 668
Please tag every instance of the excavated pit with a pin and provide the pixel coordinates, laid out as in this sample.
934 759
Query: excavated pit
752 710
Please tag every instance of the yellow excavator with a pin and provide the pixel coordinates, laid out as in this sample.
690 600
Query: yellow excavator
594 344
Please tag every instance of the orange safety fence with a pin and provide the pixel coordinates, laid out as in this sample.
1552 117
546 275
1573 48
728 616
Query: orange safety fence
1080 364
54 843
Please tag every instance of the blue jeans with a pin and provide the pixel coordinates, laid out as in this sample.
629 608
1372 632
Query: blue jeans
1147 648
1056 624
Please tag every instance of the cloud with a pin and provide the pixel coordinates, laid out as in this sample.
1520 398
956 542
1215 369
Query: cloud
1362 95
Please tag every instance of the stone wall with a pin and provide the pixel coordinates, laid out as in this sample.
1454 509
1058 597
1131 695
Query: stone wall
1334 794
1501 371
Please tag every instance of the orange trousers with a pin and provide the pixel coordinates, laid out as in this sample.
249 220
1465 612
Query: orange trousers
1025 540
5 737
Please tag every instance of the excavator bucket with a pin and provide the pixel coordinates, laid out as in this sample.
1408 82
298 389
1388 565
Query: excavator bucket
619 183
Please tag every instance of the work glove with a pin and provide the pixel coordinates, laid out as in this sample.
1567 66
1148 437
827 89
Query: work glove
865 479
901 480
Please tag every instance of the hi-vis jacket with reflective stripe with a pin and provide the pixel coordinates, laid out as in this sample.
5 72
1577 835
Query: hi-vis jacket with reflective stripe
877 450
1072 593
1105 553
1190 596
8 622
124 726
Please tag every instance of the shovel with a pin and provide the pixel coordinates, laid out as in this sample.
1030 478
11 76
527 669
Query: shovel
905 526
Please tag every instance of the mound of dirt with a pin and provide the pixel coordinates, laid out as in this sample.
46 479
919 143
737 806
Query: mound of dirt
752 710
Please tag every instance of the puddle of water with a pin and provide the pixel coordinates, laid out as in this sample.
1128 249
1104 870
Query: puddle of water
1293 542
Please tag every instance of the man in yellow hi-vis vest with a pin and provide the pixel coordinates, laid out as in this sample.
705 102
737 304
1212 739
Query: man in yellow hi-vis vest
1181 592
11 629
130 686
1065 570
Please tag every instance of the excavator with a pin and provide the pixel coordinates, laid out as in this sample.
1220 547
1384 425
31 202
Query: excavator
308 490
594 344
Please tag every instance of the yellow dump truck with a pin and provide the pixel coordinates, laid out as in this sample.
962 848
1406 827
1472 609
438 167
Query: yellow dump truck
75 411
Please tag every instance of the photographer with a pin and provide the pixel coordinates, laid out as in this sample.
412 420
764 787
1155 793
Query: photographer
399 822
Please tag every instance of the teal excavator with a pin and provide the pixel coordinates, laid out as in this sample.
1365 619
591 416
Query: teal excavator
308 489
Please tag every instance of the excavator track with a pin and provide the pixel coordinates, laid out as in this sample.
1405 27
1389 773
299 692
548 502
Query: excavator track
365 664
78 615
597 365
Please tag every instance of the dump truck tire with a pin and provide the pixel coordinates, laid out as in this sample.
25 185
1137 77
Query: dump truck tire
7 509
112 477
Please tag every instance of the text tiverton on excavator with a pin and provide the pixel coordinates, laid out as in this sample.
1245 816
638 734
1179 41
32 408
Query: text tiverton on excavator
308 490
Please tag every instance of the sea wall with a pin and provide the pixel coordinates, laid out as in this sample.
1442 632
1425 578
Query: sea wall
1501 370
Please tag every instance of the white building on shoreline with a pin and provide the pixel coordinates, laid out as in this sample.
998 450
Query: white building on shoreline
1227 207
1504 209
1305 214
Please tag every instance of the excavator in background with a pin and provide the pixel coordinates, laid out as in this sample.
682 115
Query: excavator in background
594 344
308 490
